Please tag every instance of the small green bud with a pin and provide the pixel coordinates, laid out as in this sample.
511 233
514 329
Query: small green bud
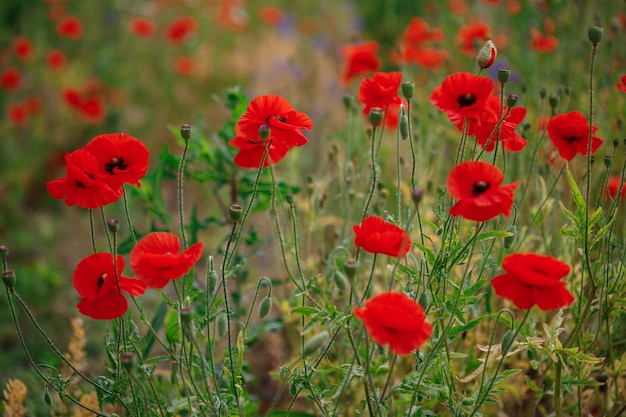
467 401
543 92
128 361
113 225
595 34
532 353
424 300
404 126
291 198
174 373
376 116
266 307
221 324
509 240
507 341
264 132
341 281
607 161
553 100
504 73
408 89
350 266
592 159
4 252
185 132
615 142
293 390
347 102
512 100
186 314
46 397
8 277
416 195
235 211
315 342
211 281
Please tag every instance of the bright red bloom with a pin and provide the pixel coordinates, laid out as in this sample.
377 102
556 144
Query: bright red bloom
17 114
360 59
378 236
622 84
533 279
396 320
22 48
284 123
271 15
459 7
464 95
428 58
471 35
418 32
381 91
122 159
476 185
156 259
570 134
184 65
88 106
141 27
10 79
70 27
613 187
540 43
179 29
55 59
83 183
100 286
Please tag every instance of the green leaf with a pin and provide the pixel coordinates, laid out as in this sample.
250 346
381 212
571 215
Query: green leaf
429 253
578 197
494 234
305 311
532 385
568 213
459 329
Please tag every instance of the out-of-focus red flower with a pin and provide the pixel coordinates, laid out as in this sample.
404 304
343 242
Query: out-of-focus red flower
533 279
285 124
428 58
89 107
416 46
122 159
100 285
142 27
70 27
544 44
271 15
622 84
477 187
83 183
156 259
55 59
471 35
513 6
459 7
179 29
375 235
231 16
396 320
570 134
32 105
418 32
17 114
72 97
381 91
184 65
493 2
23 48
464 95
613 188
10 79
56 12
360 58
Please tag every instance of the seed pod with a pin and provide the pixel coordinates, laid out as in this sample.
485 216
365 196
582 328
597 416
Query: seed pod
404 127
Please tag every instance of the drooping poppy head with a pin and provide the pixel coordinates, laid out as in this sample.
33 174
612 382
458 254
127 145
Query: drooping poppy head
55 59
271 15
396 320
23 48
83 183
378 236
156 259
360 58
477 187
179 29
100 285
141 27
121 158
570 134
464 95
70 27
10 79
533 279
284 124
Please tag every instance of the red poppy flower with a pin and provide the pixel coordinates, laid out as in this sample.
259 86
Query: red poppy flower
471 35
100 287
459 7
177 31
142 27
476 185
70 27
419 32
122 159
10 79
464 95
17 114
156 259
271 15
533 279
378 236
540 43
32 105
570 134
83 184
55 59
22 48
613 186
396 320
622 84
360 59
284 123
92 109
184 65
381 91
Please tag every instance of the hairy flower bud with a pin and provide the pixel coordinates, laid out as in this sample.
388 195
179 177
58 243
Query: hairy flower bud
512 100
264 132
266 307
315 342
486 55
113 225
8 277
404 127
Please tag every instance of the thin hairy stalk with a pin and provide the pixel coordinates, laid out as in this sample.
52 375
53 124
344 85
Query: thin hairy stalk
342 387
413 158
147 323
558 403
493 334
92 229
373 180
406 230
106 229
398 179
368 398
347 180
205 378
133 379
180 194
127 213
388 379
256 295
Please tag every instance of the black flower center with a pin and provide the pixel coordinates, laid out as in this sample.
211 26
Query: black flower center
115 163
100 282
281 119
479 188
572 139
466 100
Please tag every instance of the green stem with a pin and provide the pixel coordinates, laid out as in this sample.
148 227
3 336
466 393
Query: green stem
93 231
127 213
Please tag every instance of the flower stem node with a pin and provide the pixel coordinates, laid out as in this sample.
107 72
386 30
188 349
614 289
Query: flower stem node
266 307
408 89
291 199
113 225
264 132
512 100
314 343
595 34
236 211
376 116
8 277
128 361
350 266
185 132
486 55
504 73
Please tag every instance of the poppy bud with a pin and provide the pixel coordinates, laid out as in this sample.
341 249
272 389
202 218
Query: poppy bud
211 281
236 212
340 280
186 314
424 300
264 132
512 100
592 159
416 195
376 116
347 102
8 277
293 390
543 92
46 397
266 307
615 142
350 266
291 198
507 341
4 252
567 90
607 161
185 132
408 89
128 361
404 127
595 34
174 373
504 73
467 401
221 325
315 342
113 225
509 240
486 55
553 100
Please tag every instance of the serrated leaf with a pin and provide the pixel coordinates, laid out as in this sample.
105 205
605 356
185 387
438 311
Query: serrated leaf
576 194
305 311
595 217
601 233
568 213
531 384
